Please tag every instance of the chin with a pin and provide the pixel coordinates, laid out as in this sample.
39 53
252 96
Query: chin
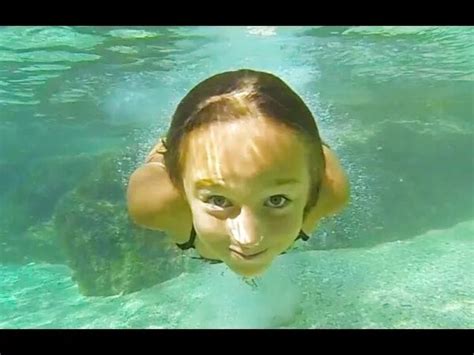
252 270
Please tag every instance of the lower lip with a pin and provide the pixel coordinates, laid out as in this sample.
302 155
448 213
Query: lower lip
247 257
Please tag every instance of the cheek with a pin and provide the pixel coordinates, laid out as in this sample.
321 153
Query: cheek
285 226
292 217
284 229
209 228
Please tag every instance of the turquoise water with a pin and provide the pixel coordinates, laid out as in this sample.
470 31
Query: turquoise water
80 106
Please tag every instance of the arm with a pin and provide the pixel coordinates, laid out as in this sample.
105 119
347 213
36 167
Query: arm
145 199
154 203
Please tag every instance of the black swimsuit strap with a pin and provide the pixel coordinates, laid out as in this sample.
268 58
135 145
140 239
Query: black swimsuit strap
302 235
190 243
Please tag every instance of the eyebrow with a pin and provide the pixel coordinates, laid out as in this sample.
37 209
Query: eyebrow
202 183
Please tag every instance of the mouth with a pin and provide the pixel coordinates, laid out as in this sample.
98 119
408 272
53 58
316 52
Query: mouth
246 256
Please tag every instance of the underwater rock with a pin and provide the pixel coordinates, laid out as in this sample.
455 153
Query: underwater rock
107 253
43 244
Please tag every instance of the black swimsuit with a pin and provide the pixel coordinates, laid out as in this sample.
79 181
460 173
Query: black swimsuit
190 244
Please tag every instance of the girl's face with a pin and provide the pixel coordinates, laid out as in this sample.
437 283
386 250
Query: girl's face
247 183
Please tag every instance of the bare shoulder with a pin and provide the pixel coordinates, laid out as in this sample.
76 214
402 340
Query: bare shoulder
334 194
335 182
154 203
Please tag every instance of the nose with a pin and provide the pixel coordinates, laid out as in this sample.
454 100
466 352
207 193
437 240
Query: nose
244 230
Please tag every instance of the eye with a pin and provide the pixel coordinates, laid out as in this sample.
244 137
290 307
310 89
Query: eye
219 201
277 201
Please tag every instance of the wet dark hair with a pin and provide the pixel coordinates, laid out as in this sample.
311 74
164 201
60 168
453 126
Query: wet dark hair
243 93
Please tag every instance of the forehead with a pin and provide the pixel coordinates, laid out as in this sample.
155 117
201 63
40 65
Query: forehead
243 151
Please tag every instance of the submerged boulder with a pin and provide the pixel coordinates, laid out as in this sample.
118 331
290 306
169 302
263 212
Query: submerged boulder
107 253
